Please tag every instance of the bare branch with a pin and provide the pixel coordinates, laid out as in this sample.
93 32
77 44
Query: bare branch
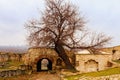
62 23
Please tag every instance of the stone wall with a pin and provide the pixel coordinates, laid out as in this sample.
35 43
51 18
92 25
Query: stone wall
35 54
22 69
91 62
10 57
10 73
116 55
83 62
4 57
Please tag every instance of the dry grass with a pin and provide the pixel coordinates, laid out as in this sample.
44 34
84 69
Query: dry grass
107 72
11 65
109 49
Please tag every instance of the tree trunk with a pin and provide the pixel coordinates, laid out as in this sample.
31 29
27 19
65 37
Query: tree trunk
61 52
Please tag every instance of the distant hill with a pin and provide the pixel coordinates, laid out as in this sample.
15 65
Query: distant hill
109 49
23 49
14 49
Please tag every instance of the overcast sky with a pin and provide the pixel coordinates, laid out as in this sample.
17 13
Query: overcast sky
101 16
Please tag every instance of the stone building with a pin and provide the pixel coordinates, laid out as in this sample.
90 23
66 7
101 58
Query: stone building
44 59
87 62
84 61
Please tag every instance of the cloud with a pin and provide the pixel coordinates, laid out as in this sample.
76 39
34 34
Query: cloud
102 15
16 40
13 15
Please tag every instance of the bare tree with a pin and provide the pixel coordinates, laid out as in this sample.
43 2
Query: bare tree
60 27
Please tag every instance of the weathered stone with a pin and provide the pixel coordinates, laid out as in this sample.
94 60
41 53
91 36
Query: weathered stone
35 56
10 73
10 57
89 63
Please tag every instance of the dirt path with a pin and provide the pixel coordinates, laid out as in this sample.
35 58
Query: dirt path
45 76
35 76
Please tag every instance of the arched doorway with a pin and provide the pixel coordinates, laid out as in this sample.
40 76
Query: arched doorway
91 65
44 64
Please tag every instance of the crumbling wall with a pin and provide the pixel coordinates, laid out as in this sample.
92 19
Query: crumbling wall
35 54
100 59
10 57
116 55
9 73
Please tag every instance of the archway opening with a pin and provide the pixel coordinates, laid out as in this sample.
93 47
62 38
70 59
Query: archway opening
91 65
44 64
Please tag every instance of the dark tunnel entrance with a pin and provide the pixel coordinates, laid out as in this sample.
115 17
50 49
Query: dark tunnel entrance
44 64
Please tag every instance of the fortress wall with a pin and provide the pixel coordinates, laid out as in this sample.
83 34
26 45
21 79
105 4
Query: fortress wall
10 57
35 54
101 60
10 73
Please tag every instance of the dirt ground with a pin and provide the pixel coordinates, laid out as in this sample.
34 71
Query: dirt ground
35 76
45 76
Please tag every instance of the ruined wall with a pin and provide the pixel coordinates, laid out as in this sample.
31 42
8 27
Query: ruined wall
4 57
35 54
10 73
116 55
100 62
10 57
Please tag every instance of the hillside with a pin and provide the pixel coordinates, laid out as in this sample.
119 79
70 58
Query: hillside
23 49
109 49
15 49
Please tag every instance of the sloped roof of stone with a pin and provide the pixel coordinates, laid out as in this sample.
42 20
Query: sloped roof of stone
35 47
86 51
83 52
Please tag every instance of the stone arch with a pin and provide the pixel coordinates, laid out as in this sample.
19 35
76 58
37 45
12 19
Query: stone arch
51 58
44 64
91 65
